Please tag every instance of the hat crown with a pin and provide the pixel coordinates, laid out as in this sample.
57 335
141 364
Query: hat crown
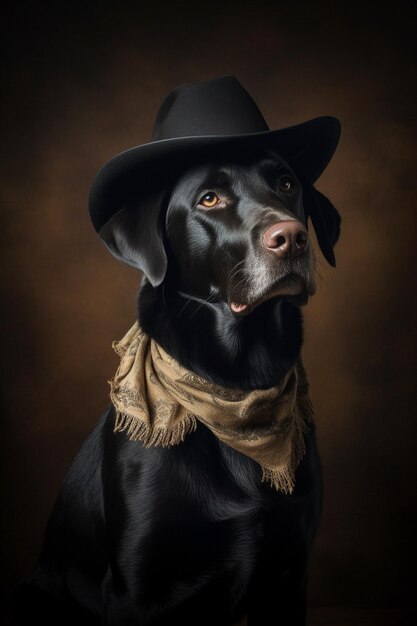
220 106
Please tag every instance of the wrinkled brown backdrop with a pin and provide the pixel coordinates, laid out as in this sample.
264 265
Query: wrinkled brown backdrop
86 83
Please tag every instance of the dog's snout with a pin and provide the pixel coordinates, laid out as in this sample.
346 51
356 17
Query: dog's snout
286 239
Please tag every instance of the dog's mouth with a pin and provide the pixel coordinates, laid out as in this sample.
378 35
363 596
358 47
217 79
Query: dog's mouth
291 287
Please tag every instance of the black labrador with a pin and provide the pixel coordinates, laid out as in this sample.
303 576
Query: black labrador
190 534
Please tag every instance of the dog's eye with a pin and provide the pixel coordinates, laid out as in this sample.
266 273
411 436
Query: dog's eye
286 184
209 199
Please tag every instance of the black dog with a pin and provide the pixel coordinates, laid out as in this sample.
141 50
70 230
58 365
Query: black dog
189 534
217 222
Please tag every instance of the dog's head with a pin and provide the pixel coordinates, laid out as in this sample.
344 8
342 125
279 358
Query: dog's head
232 229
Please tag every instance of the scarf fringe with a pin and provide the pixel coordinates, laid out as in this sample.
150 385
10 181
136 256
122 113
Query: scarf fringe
283 478
139 431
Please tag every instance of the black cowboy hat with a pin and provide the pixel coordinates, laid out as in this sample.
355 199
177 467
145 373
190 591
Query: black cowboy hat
194 121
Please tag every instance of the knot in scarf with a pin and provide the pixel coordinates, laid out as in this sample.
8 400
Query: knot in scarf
158 402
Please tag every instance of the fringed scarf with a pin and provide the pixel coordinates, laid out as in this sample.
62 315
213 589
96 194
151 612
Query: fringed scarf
158 402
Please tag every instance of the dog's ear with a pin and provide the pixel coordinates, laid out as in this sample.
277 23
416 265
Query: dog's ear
325 218
134 235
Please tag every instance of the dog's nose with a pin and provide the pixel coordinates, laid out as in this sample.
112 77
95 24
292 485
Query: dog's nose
286 239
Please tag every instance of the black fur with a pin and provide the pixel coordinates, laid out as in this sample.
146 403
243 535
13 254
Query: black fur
190 534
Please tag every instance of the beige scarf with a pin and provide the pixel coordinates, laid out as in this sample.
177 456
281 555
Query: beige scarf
158 402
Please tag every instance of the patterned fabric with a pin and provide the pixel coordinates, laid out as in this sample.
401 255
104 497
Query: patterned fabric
158 402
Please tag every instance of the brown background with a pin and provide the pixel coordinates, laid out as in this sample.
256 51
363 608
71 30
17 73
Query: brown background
86 83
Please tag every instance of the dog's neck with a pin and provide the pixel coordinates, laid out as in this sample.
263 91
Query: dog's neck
251 352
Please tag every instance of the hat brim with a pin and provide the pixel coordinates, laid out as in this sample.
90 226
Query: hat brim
307 147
